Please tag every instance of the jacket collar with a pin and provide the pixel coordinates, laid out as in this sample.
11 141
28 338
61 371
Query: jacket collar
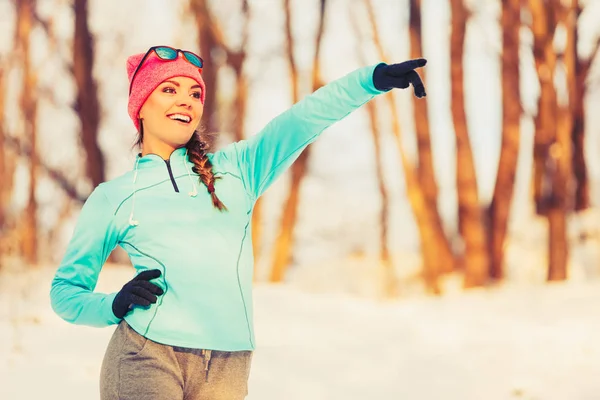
177 157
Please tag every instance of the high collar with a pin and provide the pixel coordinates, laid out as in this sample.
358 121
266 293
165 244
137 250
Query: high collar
177 157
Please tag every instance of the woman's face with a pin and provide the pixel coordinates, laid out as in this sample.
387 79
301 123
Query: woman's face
172 112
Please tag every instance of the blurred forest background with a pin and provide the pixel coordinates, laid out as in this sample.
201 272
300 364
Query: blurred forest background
493 177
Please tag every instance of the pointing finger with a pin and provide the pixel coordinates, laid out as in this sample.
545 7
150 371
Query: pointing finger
406 66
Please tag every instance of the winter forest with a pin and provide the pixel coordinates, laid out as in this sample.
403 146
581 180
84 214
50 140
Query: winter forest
445 247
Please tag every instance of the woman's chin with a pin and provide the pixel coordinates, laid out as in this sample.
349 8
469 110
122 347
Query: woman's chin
182 137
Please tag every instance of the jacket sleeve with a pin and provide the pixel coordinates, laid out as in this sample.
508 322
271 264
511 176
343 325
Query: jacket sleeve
72 293
265 156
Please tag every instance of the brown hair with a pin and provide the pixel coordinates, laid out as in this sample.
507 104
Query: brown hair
197 147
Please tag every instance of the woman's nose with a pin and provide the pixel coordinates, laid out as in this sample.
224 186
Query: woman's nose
183 100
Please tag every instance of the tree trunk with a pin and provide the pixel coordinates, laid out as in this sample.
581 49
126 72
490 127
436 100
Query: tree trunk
5 178
582 67
240 103
499 210
553 134
582 187
7 170
543 26
285 239
87 106
558 247
390 283
208 48
470 213
284 243
25 15
562 150
425 170
428 235
390 288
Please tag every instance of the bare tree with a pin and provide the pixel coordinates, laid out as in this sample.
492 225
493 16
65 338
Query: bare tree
17 146
561 152
5 178
47 93
86 105
24 13
284 243
471 222
426 170
425 218
390 284
543 27
209 37
217 51
237 60
499 210
553 122
578 95
7 170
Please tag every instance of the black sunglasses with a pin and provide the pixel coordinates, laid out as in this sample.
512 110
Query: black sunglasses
168 54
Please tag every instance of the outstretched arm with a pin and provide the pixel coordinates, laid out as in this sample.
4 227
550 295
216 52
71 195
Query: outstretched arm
264 156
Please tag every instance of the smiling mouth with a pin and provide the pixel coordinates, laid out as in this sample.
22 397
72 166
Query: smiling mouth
181 118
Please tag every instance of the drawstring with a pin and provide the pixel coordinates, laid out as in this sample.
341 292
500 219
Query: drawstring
193 193
133 222
206 356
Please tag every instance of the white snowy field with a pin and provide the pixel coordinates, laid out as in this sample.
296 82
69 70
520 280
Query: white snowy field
536 342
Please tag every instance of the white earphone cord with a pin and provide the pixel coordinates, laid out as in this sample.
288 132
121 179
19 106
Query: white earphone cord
193 193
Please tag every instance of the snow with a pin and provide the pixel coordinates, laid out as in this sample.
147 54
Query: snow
325 334
508 342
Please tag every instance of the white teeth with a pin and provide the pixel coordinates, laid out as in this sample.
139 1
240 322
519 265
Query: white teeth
180 117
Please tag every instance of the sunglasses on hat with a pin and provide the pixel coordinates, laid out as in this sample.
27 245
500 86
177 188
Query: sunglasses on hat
168 54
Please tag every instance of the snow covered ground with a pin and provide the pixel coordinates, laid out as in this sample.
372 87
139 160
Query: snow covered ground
514 342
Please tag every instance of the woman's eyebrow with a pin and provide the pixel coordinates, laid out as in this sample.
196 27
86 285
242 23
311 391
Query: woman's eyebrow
178 85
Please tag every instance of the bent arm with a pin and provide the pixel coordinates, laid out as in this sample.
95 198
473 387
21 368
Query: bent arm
72 293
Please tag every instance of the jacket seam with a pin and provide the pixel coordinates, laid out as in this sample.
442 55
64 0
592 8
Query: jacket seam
248 192
164 275
237 267
135 191
165 180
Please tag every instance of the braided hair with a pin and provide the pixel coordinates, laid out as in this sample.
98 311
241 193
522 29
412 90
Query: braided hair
197 150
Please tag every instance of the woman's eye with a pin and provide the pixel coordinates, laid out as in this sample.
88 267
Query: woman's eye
168 90
197 95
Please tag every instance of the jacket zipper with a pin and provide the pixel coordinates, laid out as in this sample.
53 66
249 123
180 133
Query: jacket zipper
171 175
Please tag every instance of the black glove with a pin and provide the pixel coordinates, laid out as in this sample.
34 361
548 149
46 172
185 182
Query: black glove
138 291
386 77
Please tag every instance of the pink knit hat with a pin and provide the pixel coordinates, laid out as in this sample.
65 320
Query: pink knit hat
152 73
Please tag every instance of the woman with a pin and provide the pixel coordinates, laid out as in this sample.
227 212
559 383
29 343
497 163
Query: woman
183 215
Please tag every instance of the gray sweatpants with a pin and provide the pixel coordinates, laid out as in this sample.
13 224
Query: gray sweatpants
136 368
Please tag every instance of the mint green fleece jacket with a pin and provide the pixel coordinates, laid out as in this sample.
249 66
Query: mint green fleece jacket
205 255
